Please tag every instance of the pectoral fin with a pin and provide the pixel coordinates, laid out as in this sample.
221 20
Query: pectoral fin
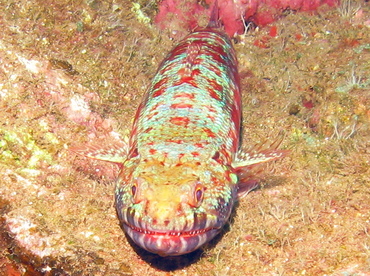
112 152
249 164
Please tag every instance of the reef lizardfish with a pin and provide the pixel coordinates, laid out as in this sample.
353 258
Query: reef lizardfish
183 171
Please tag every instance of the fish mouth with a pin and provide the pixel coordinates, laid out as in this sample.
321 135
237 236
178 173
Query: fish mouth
170 243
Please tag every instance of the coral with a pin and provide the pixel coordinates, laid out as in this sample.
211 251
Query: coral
233 14
179 15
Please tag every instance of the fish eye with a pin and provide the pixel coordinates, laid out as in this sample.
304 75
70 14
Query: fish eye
135 190
198 195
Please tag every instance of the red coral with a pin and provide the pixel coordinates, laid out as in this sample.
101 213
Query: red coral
177 14
232 14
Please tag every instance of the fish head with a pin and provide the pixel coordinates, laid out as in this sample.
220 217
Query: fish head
173 209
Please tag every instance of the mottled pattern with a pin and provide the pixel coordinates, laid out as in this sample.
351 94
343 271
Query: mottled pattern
181 173
177 187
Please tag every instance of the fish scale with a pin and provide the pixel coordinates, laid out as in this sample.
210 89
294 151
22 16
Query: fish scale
177 188
182 105
181 171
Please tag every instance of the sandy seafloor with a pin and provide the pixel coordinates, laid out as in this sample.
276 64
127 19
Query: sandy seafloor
74 72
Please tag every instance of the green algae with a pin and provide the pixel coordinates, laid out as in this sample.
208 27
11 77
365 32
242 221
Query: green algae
141 17
21 149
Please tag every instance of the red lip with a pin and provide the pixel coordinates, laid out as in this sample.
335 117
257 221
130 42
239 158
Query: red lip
171 233
170 243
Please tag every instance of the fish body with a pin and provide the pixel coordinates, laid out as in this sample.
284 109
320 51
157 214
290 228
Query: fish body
181 172
177 187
